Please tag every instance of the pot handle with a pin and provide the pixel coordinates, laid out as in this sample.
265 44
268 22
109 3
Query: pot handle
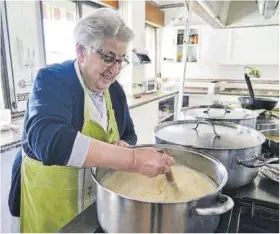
207 122
217 105
225 204
260 164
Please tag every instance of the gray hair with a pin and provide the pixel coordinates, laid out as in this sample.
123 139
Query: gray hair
91 30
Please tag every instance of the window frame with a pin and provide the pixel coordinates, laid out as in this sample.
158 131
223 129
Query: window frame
79 13
157 55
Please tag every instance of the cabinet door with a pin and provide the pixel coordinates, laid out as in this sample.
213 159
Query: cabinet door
145 119
257 45
168 43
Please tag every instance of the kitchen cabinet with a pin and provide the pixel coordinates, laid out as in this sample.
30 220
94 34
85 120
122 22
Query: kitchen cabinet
256 46
7 160
173 44
147 116
145 119
213 47
168 44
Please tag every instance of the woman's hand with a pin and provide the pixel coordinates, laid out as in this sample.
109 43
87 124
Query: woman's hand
149 162
121 143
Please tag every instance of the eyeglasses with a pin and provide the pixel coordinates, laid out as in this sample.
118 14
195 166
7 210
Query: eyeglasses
110 60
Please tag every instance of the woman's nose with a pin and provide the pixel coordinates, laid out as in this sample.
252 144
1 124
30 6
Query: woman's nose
115 68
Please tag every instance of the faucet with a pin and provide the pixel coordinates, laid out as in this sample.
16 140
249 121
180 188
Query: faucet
253 72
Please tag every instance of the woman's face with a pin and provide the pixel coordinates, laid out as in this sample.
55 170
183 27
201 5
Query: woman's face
99 67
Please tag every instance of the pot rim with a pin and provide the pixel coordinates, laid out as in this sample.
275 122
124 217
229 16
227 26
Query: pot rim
221 167
268 130
253 115
223 123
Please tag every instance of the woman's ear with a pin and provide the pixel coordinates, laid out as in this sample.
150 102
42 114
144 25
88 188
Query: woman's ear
80 52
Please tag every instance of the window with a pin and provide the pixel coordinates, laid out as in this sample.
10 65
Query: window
87 9
59 19
150 40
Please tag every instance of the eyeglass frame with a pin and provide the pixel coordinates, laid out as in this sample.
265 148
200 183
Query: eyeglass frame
119 61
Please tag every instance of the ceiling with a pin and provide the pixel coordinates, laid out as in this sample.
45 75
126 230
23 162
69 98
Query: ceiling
166 3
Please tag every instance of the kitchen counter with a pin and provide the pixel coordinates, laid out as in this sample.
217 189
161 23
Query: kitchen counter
11 138
261 189
146 98
234 92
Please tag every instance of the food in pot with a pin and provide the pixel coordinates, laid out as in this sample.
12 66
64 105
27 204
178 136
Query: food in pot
273 138
191 184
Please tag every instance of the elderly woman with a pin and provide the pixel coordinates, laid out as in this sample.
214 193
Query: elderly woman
77 118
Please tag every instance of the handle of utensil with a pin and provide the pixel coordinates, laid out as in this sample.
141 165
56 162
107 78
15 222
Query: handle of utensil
260 164
225 203
207 122
93 172
217 105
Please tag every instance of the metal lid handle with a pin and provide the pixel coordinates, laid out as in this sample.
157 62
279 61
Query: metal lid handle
207 122
217 105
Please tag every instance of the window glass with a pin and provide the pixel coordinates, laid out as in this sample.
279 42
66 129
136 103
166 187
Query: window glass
59 19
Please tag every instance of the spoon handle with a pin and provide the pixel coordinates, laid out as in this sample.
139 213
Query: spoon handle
169 176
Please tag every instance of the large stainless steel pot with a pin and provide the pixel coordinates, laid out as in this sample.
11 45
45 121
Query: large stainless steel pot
117 213
236 146
218 112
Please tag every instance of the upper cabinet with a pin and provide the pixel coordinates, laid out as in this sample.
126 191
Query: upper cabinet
168 44
256 46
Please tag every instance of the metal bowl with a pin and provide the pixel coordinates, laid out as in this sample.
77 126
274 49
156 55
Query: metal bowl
260 103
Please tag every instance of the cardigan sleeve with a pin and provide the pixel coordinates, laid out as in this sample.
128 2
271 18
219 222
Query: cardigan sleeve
50 134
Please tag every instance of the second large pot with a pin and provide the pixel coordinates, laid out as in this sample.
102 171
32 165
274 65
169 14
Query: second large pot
217 112
236 146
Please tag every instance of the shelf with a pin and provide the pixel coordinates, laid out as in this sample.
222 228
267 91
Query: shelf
188 45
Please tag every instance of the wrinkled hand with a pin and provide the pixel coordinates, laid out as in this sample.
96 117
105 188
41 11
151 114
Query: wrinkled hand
148 161
121 143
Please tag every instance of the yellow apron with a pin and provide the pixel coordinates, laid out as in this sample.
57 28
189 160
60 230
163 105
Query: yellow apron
51 196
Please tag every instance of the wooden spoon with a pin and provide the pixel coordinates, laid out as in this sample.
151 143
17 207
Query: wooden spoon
169 175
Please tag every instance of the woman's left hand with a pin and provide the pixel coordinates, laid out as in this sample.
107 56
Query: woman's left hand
121 143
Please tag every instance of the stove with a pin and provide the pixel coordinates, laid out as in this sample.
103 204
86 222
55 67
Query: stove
256 210
250 216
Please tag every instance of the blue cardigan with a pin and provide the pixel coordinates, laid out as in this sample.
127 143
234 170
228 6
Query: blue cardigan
55 113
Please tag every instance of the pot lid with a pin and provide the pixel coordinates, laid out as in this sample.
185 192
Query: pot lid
208 135
218 112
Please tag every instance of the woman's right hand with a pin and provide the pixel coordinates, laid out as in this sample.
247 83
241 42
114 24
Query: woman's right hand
148 161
